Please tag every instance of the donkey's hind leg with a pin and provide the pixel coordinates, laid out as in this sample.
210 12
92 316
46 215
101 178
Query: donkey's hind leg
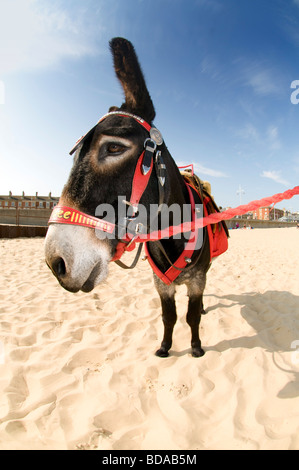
169 315
193 320
195 310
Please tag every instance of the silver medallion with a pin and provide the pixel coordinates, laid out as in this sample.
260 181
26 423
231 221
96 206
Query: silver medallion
156 136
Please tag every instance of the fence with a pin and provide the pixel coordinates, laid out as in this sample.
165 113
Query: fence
256 223
37 217
15 223
16 231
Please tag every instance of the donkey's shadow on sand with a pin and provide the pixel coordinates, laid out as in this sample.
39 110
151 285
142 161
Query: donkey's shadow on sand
274 316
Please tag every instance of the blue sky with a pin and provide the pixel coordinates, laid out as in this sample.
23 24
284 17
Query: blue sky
219 73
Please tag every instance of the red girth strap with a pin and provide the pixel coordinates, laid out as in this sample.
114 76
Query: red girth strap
172 273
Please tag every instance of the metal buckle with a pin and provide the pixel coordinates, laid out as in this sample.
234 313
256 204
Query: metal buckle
138 229
131 241
150 148
134 208
161 168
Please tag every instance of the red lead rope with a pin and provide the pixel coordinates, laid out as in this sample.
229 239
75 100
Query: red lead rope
218 216
240 210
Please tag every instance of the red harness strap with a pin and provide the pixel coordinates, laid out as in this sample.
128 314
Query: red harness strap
172 273
218 244
140 182
140 121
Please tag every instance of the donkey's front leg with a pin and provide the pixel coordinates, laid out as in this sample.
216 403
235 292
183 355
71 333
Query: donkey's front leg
169 316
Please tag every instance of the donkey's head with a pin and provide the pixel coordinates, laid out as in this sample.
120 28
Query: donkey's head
103 170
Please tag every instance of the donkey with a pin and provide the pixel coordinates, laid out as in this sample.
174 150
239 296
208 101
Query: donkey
104 168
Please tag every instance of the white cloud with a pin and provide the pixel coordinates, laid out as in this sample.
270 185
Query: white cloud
248 132
203 170
273 139
263 82
210 67
275 176
38 33
269 138
272 132
261 76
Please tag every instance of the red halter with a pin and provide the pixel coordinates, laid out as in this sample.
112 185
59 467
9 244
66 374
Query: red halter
67 215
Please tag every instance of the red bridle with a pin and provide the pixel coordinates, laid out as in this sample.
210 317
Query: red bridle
149 157
67 215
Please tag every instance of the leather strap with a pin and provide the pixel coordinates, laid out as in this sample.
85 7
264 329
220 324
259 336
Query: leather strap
124 266
140 181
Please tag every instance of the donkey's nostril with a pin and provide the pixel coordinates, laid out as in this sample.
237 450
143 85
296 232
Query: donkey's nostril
58 267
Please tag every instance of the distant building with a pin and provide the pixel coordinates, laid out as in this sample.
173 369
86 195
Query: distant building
267 213
28 202
290 216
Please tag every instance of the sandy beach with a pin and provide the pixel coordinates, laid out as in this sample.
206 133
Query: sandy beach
78 371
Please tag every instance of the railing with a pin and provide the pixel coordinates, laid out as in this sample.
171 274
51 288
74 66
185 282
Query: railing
23 216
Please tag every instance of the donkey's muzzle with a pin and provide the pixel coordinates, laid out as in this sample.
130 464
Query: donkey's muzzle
76 257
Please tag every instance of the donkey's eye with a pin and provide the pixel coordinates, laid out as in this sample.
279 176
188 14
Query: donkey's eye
115 149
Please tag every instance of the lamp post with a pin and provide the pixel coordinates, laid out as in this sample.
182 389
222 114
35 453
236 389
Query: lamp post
240 192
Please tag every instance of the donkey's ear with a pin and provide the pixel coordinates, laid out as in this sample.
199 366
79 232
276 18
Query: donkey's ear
130 75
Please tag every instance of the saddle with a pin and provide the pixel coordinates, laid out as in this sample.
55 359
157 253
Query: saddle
218 233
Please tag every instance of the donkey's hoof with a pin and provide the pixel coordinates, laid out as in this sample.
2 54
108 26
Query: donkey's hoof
197 352
203 312
162 352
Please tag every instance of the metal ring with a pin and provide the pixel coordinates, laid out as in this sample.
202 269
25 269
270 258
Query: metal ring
150 148
156 136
